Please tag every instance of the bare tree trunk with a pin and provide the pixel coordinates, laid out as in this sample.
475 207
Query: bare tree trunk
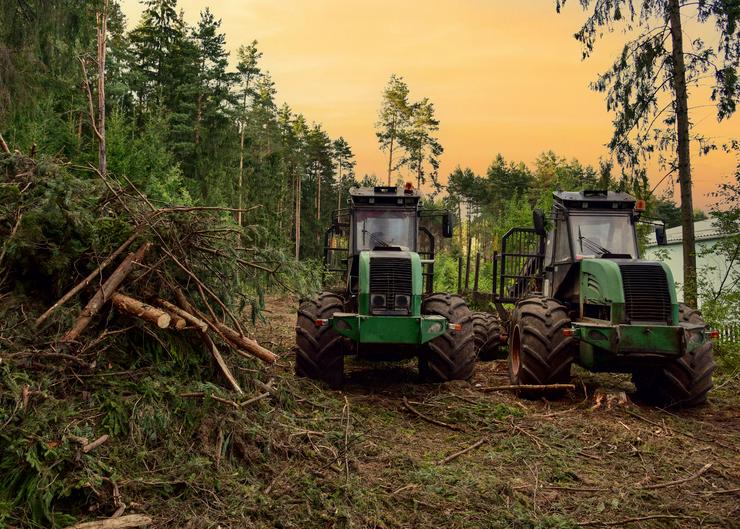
339 190
241 150
241 176
297 215
684 161
418 170
102 45
318 190
390 154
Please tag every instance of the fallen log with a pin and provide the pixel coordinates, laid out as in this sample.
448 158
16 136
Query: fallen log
528 387
142 310
244 344
186 316
122 522
85 282
104 293
241 343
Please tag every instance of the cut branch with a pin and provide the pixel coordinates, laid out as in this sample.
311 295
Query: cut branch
679 481
122 522
221 364
454 456
529 387
427 418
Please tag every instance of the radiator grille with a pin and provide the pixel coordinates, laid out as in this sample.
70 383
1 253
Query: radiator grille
646 293
390 276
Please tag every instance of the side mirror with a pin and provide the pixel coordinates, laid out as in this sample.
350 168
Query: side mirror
660 237
447 225
538 220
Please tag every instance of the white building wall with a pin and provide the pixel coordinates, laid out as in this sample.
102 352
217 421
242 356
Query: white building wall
710 267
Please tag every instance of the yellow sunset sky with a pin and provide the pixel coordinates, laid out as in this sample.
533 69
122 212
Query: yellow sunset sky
505 76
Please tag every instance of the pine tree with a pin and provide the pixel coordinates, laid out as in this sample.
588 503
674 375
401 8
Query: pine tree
345 167
420 143
393 119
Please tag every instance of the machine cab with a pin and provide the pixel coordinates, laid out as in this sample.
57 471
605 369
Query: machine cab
588 225
383 218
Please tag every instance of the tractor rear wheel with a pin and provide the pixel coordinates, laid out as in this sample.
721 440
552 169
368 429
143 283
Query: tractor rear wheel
539 352
684 382
319 349
450 356
486 334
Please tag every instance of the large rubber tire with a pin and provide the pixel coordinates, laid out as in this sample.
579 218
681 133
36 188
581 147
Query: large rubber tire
450 356
319 350
684 382
539 353
487 336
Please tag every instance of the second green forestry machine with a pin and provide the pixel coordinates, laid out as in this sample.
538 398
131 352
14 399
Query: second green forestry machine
385 308
582 294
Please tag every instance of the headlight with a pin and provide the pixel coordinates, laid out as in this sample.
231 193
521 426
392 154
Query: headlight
377 301
402 301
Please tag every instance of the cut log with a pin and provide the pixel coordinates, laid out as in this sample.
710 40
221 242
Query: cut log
122 522
105 292
185 315
85 282
244 344
528 387
241 344
142 310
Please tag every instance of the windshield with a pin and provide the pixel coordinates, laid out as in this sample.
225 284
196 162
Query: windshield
377 229
595 236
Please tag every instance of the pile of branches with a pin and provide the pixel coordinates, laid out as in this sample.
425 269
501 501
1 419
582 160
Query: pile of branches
96 253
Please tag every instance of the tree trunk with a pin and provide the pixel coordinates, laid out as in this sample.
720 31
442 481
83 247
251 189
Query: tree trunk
297 215
418 170
339 190
241 150
390 154
684 161
318 192
241 176
102 40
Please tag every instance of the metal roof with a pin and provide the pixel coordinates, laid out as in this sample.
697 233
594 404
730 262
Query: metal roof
703 230
384 191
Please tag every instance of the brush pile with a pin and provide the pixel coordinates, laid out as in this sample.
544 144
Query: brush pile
86 262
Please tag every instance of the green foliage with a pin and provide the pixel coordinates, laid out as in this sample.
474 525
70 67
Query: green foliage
182 126
721 304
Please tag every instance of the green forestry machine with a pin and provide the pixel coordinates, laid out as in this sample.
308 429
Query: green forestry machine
385 308
582 295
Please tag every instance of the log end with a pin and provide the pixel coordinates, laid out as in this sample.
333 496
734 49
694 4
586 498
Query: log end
164 321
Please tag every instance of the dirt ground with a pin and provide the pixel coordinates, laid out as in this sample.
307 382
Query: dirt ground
381 453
